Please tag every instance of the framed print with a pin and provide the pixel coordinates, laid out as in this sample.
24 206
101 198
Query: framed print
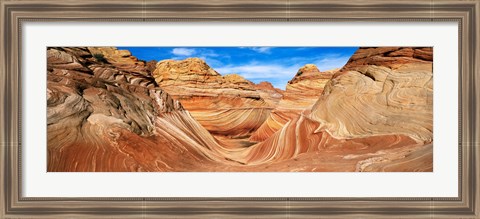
235 109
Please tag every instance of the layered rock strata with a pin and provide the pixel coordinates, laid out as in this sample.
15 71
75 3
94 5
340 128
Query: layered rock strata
226 105
382 99
300 94
105 113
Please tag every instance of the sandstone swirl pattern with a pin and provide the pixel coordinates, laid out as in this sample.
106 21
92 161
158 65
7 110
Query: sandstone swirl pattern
109 115
389 91
109 111
381 94
301 93
225 105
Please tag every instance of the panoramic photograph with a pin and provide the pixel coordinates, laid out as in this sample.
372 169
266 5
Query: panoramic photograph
239 109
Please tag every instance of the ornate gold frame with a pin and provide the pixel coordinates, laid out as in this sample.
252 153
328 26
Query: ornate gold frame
15 12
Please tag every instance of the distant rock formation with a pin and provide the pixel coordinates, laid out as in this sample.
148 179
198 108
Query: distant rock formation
226 105
270 94
305 88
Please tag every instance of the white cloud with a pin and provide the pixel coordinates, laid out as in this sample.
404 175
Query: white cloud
328 63
183 52
205 54
266 50
262 49
211 61
208 53
281 84
259 71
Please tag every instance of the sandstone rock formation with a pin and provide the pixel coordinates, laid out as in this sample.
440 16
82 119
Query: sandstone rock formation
120 59
270 94
301 93
151 65
109 111
109 115
381 95
392 89
225 105
305 88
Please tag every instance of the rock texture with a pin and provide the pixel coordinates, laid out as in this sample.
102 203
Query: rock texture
120 59
270 94
301 93
377 107
109 111
226 105
392 92
305 88
110 115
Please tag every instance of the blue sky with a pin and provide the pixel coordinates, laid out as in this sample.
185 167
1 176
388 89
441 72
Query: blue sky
276 65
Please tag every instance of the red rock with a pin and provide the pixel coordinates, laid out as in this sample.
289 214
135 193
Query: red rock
110 114
103 118
377 108
226 105
301 93
121 59
151 65
268 93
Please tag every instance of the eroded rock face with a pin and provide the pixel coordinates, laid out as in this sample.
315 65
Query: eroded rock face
381 95
120 59
389 91
226 105
301 93
102 117
270 94
108 113
305 88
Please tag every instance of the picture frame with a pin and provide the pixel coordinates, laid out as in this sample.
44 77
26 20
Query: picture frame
15 13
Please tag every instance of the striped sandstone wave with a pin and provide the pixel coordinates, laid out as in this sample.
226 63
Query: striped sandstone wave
109 111
103 118
300 94
381 95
